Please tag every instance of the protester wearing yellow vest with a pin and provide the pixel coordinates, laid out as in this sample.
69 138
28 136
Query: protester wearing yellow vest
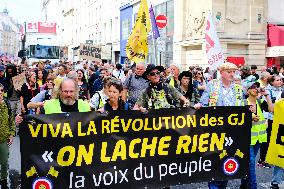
173 79
67 99
99 99
258 129
263 80
222 92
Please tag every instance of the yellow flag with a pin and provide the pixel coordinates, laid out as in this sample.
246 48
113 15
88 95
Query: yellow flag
275 153
31 172
53 172
137 45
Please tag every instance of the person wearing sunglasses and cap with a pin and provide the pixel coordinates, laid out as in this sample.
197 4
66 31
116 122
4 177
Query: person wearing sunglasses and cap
258 129
222 92
158 94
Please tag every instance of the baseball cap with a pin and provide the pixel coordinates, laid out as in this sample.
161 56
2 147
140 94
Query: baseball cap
249 82
227 66
245 68
253 67
2 68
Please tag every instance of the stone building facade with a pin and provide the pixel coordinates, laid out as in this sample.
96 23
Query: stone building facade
9 35
240 24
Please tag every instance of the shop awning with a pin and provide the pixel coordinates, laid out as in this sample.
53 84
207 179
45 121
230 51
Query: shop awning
238 61
275 43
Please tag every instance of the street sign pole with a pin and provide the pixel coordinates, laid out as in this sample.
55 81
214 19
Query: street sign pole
155 48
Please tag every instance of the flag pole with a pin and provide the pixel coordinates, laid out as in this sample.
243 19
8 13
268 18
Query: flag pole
155 48
153 19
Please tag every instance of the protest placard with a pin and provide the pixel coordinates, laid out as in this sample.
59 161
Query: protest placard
18 81
90 52
275 153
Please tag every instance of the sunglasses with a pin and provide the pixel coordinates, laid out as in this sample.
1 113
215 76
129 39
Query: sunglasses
254 87
155 73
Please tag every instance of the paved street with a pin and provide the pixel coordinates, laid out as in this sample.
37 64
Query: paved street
263 175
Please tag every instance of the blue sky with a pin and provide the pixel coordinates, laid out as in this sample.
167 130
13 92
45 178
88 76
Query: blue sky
23 10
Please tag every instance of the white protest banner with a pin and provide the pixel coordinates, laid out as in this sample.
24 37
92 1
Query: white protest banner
214 52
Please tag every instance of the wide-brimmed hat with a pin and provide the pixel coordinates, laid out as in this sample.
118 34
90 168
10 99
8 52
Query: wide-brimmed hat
151 67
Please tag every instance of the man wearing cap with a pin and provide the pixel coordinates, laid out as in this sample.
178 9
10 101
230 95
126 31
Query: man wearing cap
222 92
258 129
245 72
253 71
158 94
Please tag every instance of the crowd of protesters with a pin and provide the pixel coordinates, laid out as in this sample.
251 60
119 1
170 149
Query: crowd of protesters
83 86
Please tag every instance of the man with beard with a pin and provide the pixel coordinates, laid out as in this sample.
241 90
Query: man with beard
67 99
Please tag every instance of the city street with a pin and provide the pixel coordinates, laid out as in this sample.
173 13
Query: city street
263 175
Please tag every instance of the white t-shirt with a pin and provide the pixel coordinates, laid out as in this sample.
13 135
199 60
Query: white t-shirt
95 100
119 74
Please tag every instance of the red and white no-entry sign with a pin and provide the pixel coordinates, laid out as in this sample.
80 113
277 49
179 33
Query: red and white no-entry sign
161 21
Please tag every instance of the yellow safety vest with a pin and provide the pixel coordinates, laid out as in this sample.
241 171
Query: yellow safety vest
258 129
53 106
172 82
214 93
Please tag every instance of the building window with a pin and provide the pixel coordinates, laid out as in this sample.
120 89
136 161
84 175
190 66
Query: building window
125 28
259 18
